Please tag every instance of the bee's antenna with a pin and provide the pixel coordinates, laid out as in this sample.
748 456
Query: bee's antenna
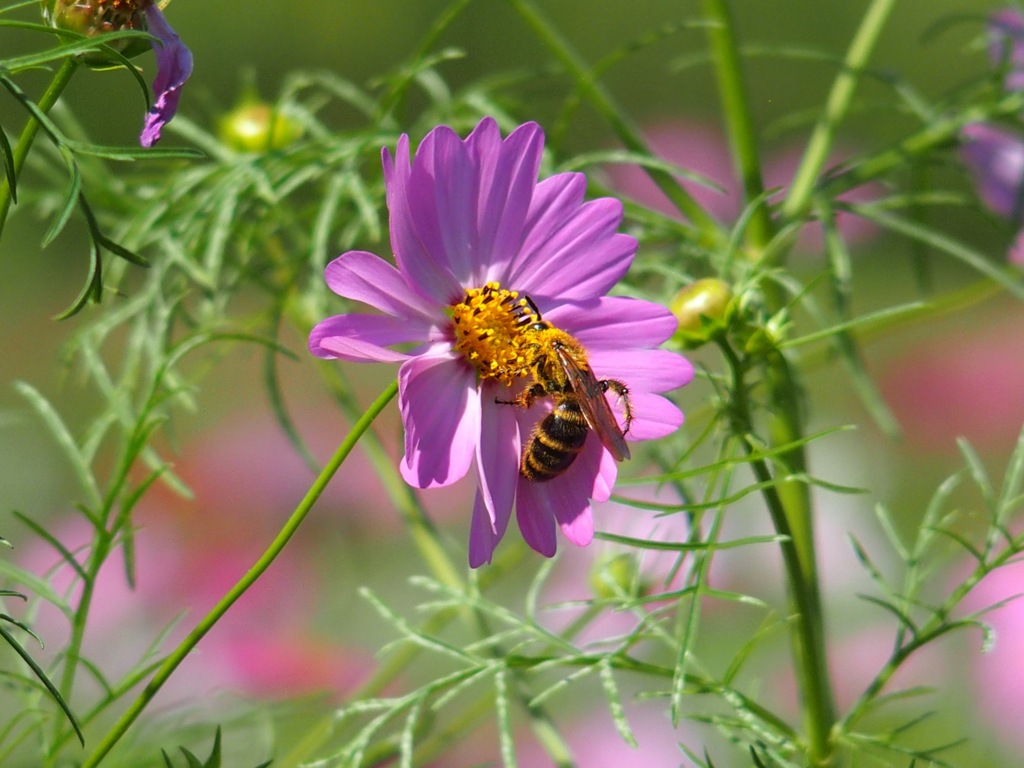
533 306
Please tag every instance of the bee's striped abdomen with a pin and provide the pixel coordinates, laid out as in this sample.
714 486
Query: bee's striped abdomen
555 442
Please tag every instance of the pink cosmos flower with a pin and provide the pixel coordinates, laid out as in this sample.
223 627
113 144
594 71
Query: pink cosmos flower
473 231
173 68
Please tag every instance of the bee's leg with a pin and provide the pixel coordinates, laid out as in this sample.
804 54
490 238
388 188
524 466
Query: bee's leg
622 391
526 398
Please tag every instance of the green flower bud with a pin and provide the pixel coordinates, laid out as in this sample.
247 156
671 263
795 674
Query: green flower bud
97 17
702 309
254 126
616 576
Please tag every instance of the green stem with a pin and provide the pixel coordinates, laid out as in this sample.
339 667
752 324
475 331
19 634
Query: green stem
276 546
28 134
789 507
721 33
798 201
424 534
937 135
711 233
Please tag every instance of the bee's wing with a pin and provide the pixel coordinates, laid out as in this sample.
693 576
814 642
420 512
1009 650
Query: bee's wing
595 407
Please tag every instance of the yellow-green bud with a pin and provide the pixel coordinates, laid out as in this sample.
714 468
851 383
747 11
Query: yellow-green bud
702 310
616 576
254 126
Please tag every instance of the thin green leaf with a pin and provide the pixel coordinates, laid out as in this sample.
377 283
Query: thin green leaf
976 260
66 555
8 158
41 676
1013 482
93 287
131 154
506 739
686 546
407 738
862 321
963 542
885 520
72 193
82 45
611 692
976 468
903 618
64 440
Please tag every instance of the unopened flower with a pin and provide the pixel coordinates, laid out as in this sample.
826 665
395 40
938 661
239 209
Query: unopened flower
701 309
994 155
255 126
476 239
173 58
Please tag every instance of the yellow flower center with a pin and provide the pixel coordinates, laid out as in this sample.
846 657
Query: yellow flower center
488 325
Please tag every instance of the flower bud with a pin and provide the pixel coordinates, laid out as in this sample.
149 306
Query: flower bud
702 310
97 17
616 576
254 126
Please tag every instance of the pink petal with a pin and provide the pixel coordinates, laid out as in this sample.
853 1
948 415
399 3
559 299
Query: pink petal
483 535
610 321
366 277
604 478
341 348
573 251
536 521
497 458
414 257
173 69
443 191
653 417
565 500
508 177
643 370
440 408
363 338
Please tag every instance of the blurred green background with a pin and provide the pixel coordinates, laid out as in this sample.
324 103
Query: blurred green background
931 45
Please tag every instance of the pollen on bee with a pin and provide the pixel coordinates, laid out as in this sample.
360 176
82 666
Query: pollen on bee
488 328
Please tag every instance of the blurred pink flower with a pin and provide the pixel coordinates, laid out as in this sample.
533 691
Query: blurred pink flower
614 569
999 674
262 647
595 742
702 149
961 383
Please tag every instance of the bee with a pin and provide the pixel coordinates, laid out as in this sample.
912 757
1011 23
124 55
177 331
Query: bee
561 371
